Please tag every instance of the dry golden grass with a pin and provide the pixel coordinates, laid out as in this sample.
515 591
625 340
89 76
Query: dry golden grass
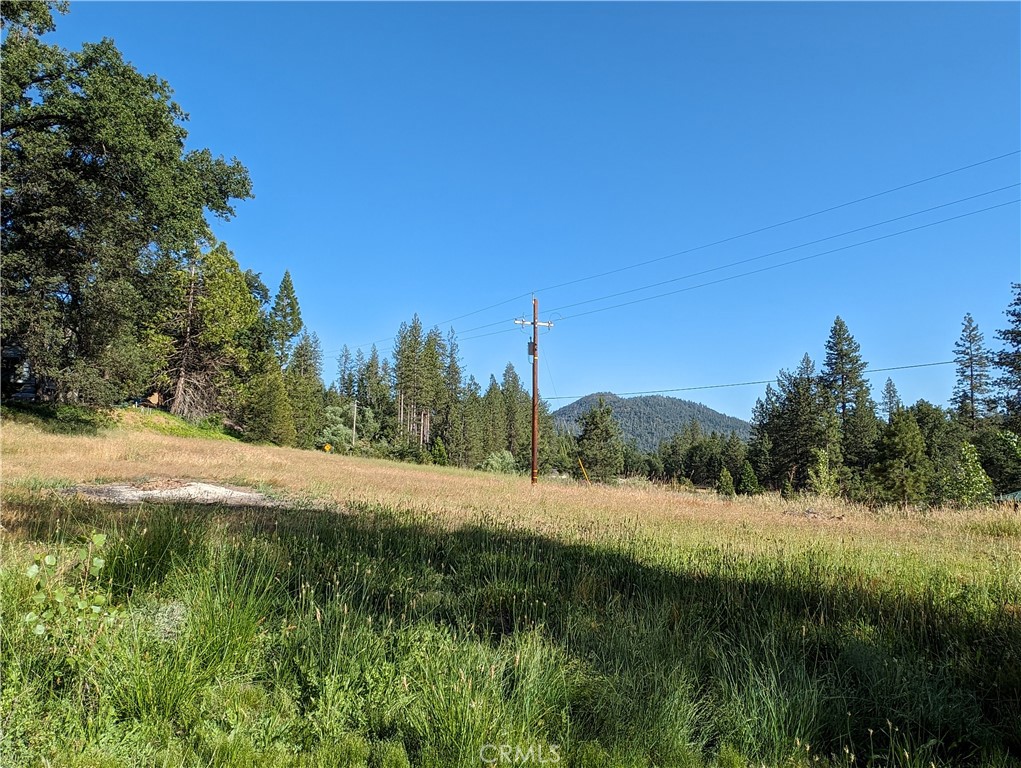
956 542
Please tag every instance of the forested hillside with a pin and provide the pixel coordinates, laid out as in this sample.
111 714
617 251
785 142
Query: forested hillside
648 420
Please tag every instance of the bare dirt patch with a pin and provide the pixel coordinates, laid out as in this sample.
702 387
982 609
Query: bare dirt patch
174 490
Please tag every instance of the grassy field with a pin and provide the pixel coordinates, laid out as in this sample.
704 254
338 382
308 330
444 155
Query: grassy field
397 615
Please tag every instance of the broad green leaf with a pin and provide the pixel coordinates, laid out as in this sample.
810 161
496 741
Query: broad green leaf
99 539
50 560
33 571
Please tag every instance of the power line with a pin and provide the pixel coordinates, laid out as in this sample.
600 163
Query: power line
744 274
780 224
791 248
785 263
765 255
749 383
705 245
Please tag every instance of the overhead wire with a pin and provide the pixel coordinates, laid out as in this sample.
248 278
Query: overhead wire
740 274
750 383
762 256
703 246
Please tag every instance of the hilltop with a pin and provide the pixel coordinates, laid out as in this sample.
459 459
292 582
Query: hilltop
651 419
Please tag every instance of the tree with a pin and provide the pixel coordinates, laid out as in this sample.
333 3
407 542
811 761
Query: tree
905 469
517 404
799 420
305 390
100 205
725 484
494 416
209 335
965 484
974 381
347 374
284 319
748 483
1008 360
599 444
843 369
891 400
268 415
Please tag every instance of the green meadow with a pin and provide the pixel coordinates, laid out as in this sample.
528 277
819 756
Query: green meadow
319 633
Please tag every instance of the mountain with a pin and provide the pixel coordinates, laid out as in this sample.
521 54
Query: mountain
651 419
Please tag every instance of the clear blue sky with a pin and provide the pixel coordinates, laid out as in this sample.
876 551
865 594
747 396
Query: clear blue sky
443 158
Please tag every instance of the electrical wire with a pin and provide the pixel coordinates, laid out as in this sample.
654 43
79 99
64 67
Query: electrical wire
740 274
749 383
708 245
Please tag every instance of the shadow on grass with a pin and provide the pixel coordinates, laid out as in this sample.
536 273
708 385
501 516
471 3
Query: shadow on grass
754 656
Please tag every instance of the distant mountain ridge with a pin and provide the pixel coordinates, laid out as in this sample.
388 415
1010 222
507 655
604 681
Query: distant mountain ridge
651 419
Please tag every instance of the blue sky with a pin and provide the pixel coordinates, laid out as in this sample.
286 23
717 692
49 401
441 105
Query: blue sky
442 158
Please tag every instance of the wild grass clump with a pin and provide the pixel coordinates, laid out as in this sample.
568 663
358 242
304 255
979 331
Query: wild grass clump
380 637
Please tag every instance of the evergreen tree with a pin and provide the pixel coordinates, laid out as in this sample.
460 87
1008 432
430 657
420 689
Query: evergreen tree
1008 360
599 444
799 421
891 400
268 415
284 319
905 469
748 483
725 483
471 418
843 371
208 336
347 374
494 419
974 380
517 404
305 391
409 381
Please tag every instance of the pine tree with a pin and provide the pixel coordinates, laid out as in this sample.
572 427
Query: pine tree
599 445
891 400
284 319
905 469
305 391
799 421
843 370
347 374
409 382
494 418
518 412
1008 360
748 483
725 483
268 415
974 384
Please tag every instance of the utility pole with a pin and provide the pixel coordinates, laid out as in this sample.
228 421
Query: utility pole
533 350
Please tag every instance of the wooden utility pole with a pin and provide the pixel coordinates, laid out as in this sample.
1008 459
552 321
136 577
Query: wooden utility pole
533 350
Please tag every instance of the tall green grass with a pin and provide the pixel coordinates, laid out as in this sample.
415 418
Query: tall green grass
377 638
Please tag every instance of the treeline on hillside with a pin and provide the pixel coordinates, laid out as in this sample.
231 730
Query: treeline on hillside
821 431
648 420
